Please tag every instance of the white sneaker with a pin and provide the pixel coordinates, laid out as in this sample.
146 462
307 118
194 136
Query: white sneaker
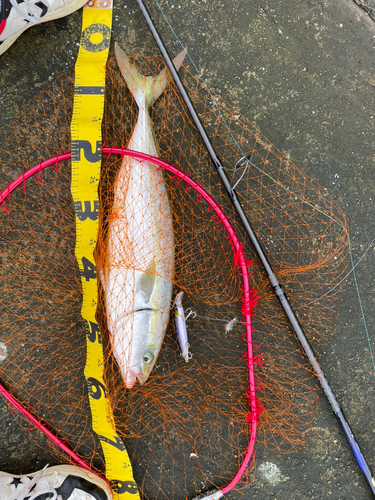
63 482
18 15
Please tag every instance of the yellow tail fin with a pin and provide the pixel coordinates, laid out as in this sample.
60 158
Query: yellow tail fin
145 89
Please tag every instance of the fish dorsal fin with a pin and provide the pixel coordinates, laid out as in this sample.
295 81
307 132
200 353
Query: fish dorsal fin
146 282
145 89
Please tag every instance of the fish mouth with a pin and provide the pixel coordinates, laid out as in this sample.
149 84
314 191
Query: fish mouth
132 378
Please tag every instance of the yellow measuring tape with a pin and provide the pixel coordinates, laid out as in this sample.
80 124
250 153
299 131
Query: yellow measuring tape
86 160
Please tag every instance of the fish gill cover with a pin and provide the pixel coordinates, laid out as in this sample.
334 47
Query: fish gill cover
185 428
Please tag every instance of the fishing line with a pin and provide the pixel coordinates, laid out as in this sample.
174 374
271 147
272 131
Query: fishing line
357 452
269 176
200 77
361 4
193 314
276 182
353 266
352 271
341 281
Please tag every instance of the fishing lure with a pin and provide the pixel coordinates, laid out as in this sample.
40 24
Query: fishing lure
180 323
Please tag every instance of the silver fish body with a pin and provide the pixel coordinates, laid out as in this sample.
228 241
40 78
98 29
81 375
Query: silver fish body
137 275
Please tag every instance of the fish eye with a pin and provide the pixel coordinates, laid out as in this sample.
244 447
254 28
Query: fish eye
148 357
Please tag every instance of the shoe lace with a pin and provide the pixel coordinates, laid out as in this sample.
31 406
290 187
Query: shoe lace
25 492
33 15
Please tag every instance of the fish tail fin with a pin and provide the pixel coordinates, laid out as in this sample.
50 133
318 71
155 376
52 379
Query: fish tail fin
145 89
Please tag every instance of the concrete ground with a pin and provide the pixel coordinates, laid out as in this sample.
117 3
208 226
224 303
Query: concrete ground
303 72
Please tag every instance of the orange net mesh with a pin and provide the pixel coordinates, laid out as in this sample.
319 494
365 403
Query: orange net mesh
185 428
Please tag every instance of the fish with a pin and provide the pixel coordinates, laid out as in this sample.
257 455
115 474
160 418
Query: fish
137 274
181 330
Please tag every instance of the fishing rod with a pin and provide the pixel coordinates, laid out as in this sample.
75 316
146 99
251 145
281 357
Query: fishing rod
354 446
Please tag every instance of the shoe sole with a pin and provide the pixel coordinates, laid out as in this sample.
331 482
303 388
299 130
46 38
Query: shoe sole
72 470
50 16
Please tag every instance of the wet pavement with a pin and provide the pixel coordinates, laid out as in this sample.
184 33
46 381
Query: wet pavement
303 72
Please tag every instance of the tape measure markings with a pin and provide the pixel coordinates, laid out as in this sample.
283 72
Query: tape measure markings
86 161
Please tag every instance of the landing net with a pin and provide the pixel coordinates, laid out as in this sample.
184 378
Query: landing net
186 428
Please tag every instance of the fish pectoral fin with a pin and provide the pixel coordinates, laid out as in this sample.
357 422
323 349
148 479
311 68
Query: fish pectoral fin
146 282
